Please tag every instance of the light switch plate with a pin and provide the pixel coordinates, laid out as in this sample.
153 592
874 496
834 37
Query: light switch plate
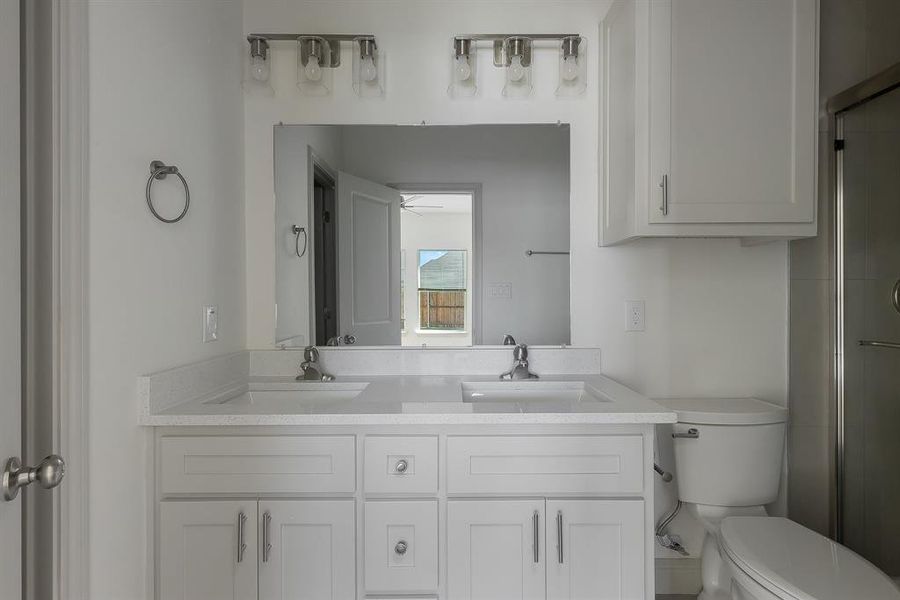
210 323
500 290
634 315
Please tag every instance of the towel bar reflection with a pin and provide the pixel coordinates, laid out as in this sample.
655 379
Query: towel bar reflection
297 231
160 170
533 252
879 344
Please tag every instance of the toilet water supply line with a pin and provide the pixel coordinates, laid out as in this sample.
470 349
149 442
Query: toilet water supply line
670 542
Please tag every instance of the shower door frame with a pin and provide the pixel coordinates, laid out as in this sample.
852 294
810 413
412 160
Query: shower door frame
837 106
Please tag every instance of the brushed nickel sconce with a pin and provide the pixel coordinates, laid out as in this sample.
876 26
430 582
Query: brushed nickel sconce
513 52
317 56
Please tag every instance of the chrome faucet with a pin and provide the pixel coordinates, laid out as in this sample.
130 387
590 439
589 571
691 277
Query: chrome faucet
509 340
520 366
309 368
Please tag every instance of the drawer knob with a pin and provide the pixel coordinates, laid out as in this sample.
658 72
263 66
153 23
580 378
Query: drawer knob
402 465
401 547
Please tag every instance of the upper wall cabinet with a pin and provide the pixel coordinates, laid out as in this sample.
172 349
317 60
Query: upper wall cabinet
708 119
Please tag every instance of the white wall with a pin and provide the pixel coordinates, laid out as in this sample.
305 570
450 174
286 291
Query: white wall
164 84
292 193
716 321
433 231
524 177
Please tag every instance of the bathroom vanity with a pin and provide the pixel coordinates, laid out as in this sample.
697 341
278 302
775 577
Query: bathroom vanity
451 486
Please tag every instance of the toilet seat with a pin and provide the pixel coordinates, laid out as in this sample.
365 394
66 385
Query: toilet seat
792 562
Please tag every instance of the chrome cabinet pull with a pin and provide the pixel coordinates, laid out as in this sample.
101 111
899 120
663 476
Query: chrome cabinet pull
402 465
267 518
664 184
401 547
535 520
692 434
559 536
241 546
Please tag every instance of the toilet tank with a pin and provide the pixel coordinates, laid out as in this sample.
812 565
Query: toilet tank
728 451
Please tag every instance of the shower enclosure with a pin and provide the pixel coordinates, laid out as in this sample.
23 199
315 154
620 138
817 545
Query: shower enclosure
867 309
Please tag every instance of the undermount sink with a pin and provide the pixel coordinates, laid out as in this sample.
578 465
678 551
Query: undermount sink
528 391
303 392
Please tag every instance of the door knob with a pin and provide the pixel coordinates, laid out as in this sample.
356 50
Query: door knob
48 474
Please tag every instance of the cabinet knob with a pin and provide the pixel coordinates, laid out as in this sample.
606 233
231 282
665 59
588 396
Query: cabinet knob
401 547
402 465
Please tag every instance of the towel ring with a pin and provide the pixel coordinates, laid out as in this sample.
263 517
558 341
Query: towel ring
160 170
297 231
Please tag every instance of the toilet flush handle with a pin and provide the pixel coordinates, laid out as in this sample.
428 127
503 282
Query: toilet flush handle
692 434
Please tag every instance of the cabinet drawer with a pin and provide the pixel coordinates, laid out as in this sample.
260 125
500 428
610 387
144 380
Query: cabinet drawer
555 465
401 465
257 464
401 546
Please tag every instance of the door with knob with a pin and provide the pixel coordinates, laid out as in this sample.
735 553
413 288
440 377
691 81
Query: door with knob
10 298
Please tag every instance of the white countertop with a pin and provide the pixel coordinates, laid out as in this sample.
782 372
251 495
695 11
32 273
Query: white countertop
408 399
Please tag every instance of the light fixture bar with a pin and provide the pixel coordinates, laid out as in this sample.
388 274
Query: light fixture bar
293 37
501 58
333 39
481 37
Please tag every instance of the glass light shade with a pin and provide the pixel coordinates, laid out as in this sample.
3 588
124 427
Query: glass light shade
463 67
518 71
257 70
368 69
314 66
572 67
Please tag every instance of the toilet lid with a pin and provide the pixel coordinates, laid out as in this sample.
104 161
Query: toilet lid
792 561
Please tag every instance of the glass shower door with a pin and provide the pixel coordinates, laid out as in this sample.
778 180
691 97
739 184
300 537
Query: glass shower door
868 242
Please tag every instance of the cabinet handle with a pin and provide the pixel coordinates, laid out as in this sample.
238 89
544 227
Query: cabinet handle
401 547
664 184
267 518
241 546
535 520
402 465
559 536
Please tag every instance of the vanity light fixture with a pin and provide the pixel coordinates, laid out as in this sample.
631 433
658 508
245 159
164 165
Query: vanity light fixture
258 68
317 57
463 80
572 66
517 57
368 72
513 53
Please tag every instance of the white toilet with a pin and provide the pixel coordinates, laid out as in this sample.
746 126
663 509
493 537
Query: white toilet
728 458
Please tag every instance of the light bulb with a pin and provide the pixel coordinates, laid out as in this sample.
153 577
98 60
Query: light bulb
461 68
515 69
367 70
570 68
259 68
312 69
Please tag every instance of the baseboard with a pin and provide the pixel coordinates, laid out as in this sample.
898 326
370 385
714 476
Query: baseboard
678 575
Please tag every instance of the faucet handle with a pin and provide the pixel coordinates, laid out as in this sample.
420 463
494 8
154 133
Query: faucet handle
311 354
520 352
509 340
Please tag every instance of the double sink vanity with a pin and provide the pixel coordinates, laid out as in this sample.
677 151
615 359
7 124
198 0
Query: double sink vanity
386 483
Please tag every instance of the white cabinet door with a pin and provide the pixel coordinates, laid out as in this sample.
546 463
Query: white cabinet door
732 97
307 550
596 549
495 550
207 550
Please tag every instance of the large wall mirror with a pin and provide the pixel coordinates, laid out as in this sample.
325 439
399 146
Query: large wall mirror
421 235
